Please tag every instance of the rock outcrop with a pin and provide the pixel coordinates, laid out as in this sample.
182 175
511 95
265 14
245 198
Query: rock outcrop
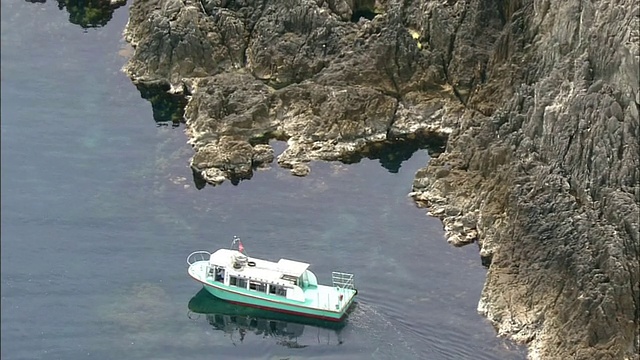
299 71
539 101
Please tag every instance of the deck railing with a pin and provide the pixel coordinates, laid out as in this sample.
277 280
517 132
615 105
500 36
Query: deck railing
196 256
342 280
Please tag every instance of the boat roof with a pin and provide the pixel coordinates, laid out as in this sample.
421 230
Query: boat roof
281 272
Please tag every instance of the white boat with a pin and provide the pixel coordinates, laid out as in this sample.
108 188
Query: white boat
285 286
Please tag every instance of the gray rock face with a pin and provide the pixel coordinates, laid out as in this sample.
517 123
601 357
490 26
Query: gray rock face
540 101
546 172
295 70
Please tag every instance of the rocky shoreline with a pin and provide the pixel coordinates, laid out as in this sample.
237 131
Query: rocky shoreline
539 103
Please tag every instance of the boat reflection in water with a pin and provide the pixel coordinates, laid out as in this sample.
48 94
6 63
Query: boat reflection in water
241 320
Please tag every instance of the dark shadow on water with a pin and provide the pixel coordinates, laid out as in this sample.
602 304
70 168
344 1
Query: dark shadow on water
392 153
199 182
167 108
87 13
243 321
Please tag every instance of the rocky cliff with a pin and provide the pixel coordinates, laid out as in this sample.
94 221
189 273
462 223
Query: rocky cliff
539 100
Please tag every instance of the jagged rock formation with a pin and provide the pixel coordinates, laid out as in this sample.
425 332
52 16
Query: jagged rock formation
540 101
548 179
294 70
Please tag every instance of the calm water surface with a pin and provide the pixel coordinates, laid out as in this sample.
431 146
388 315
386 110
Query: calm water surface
99 211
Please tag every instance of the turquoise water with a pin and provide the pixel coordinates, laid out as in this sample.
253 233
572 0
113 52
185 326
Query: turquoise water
99 211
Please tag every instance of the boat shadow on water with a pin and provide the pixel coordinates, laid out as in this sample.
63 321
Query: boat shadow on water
242 320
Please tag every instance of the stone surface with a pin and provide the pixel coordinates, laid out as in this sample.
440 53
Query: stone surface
295 70
551 174
539 100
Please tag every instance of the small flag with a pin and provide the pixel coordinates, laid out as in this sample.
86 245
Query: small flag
240 247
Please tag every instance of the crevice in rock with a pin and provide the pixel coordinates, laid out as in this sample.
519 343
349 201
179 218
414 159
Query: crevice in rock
223 36
634 248
452 39
573 191
502 13
507 8
568 146
204 9
396 63
477 80
485 260
393 117
427 37
251 30
362 13
391 73
448 80
536 28
576 34
277 85
363 9
447 61
621 147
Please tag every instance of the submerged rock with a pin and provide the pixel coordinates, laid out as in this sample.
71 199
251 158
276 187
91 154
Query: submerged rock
539 101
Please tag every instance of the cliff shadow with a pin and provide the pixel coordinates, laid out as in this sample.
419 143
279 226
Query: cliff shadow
168 108
393 152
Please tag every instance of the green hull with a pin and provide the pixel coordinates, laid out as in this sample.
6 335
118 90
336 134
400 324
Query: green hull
247 298
205 303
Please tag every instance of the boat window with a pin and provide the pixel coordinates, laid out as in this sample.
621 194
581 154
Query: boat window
290 278
237 281
277 290
257 286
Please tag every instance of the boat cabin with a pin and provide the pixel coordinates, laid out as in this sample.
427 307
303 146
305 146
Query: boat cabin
283 279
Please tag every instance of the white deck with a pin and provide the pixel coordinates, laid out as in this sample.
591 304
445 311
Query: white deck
264 270
327 297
